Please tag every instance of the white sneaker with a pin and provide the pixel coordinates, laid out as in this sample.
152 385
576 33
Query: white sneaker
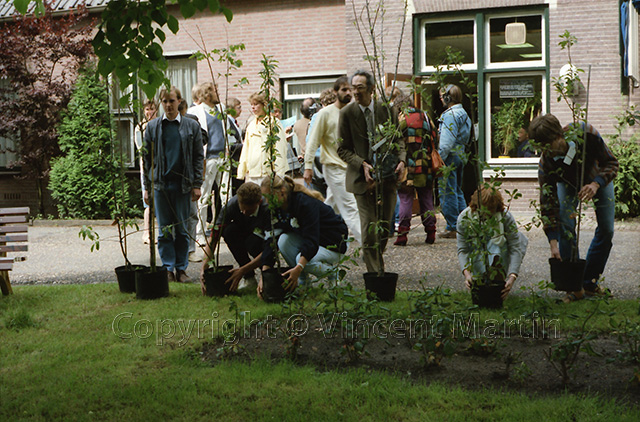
248 283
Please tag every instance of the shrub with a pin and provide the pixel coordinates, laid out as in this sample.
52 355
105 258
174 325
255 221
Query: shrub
627 183
82 181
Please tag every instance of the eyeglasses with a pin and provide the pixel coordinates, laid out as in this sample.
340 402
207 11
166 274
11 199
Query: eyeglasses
361 88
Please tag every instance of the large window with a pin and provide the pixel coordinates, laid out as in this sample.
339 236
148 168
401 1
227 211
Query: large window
513 100
296 90
515 39
7 145
181 72
504 54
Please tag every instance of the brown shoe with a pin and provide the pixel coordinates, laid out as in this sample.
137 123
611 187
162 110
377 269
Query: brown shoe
448 234
431 238
182 277
171 277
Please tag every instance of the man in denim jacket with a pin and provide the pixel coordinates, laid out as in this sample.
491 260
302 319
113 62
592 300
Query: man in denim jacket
454 132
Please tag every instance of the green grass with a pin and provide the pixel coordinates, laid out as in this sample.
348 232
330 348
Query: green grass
60 359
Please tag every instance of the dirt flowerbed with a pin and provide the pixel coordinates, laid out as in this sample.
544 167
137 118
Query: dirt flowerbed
515 362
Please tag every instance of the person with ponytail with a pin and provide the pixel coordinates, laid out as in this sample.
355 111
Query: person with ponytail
312 236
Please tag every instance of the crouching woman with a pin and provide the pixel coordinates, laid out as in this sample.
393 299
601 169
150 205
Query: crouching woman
489 243
312 236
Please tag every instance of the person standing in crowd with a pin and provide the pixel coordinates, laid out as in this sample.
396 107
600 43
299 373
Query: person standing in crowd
176 146
234 137
150 111
313 237
559 177
324 134
454 132
216 176
254 160
419 135
301 126
505 246
244 214
357 129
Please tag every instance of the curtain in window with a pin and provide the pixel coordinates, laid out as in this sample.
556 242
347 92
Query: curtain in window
183 75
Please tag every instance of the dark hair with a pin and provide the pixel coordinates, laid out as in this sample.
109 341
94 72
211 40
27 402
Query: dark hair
305 106
370 81
545 129
150 102
342 80
249 193
182 106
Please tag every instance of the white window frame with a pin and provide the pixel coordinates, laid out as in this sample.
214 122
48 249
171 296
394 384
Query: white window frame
542 62
422 40
488 141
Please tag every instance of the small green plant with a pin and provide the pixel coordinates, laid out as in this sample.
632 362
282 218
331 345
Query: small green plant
19 320
628 335
482 346
521 373
436 340
563 355
87 232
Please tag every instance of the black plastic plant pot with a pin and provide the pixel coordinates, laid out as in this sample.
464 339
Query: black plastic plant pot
152 284
272 281
488 295
214 280
384 287
567 276
126 276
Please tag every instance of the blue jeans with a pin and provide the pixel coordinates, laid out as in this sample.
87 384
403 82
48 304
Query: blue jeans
601 244
322 264
173 210
450 189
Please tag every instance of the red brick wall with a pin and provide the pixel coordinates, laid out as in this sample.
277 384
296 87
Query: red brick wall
22 193
305 37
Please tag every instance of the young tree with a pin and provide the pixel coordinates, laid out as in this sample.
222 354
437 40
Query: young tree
40 56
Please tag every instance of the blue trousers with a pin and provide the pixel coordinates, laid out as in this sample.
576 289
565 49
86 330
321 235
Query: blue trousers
172 211
322 264
450 189
601 244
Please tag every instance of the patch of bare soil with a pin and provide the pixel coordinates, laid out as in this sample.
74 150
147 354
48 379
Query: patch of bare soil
482 366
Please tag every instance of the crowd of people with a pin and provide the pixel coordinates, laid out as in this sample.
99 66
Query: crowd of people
344 154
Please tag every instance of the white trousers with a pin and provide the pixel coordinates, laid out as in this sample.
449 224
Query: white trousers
344 201
214 173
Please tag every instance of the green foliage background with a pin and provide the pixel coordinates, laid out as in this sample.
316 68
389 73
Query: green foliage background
82 181
627 151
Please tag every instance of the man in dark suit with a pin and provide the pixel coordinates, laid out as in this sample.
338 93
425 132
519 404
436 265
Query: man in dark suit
359 130
176 146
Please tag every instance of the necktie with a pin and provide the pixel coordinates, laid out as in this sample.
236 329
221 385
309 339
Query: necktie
369 118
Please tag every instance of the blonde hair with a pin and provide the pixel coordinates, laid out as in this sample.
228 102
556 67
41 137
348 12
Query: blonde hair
290 185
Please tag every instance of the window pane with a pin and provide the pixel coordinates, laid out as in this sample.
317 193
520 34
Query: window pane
183 74
529 50
458 35
124 137
7 145
515 101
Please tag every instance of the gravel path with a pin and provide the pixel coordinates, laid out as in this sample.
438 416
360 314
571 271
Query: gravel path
58 256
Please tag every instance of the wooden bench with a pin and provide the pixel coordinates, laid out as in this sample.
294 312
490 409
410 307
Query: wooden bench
13 238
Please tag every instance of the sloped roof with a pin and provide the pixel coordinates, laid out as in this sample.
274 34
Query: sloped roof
7 10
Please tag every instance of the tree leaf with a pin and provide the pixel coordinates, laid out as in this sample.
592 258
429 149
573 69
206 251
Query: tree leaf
173 24
21 5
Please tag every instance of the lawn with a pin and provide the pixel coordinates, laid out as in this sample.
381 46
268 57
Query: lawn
88 352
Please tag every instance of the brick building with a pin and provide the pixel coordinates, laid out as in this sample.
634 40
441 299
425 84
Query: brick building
316 41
